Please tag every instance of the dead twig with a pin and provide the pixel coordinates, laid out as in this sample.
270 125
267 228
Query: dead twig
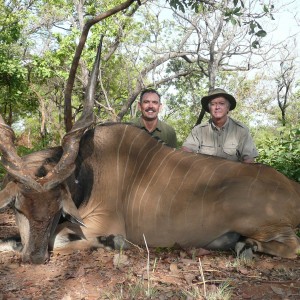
202 276
148 266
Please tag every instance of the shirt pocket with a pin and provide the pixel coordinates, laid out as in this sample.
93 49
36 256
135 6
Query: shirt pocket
230 148
208 149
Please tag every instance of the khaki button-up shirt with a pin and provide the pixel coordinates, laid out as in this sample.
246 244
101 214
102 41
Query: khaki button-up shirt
233 141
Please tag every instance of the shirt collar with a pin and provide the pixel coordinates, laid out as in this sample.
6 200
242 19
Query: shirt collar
214 127
158 126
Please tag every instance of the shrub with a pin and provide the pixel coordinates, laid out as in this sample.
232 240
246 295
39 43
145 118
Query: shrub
282 152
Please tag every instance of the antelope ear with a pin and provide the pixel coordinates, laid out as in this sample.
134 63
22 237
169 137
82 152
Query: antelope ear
69 209
8 194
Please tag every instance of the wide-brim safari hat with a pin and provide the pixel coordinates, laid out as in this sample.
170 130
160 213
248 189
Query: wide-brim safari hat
218 93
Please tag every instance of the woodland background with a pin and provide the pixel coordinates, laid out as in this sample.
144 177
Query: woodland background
182 48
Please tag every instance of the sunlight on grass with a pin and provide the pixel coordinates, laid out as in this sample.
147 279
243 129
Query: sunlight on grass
136 290
240 262
223 292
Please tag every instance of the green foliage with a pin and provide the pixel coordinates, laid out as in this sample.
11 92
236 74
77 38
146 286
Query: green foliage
281 151
34 68
22 151
182 5
2 173
15 96
257 30
10 27
55 63
183 99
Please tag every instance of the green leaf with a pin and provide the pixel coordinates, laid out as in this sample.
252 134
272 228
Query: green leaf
233 21
236 11
258 25
178 4
228 13
252 26
261 33
255 44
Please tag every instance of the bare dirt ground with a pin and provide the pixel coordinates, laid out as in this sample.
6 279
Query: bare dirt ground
131 274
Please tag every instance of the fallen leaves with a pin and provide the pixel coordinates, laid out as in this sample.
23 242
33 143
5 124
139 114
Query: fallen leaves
168 274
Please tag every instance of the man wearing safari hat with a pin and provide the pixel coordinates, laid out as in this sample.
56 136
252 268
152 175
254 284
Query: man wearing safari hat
222 136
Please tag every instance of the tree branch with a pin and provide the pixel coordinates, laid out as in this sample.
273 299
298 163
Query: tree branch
77 55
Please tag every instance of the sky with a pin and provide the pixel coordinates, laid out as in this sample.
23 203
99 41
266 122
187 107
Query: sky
288 18
286 24
285 28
